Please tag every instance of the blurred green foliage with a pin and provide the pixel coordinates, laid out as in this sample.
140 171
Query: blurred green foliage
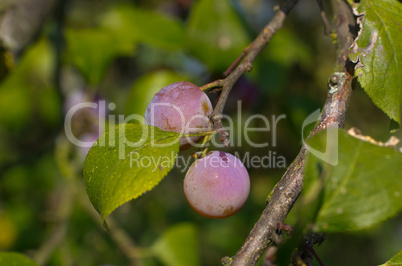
15 259
29 91
178 245
215 34
123 53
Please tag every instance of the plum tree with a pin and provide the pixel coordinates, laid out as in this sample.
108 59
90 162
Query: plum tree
180 107
217 185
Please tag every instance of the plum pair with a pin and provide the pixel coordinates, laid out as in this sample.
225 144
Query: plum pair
217 185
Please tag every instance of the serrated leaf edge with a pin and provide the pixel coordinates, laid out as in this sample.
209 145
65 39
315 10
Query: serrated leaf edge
174 134
108 175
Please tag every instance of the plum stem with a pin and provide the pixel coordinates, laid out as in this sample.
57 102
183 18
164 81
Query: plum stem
316 256
236 62
203 150
327 27
215 84
244 63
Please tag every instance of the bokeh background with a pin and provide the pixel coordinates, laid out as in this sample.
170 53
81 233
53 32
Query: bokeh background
123 52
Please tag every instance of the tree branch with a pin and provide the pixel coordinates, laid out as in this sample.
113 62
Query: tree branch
288 189
248 56
327 27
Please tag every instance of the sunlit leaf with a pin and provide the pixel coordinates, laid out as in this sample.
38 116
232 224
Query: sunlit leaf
362 190
378 51
127 161
396 260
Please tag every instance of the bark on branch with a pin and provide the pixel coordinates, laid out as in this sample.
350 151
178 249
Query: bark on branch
20 23
288 189
21 20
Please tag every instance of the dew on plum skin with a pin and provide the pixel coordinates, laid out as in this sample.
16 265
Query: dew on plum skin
177 101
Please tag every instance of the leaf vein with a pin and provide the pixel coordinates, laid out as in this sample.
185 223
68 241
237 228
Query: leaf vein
345 179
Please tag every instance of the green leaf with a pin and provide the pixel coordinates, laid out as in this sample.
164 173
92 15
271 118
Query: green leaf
144 89
143 26
378 49
215 34
92 50
396 260
15 259
178 246
362 190
127 161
